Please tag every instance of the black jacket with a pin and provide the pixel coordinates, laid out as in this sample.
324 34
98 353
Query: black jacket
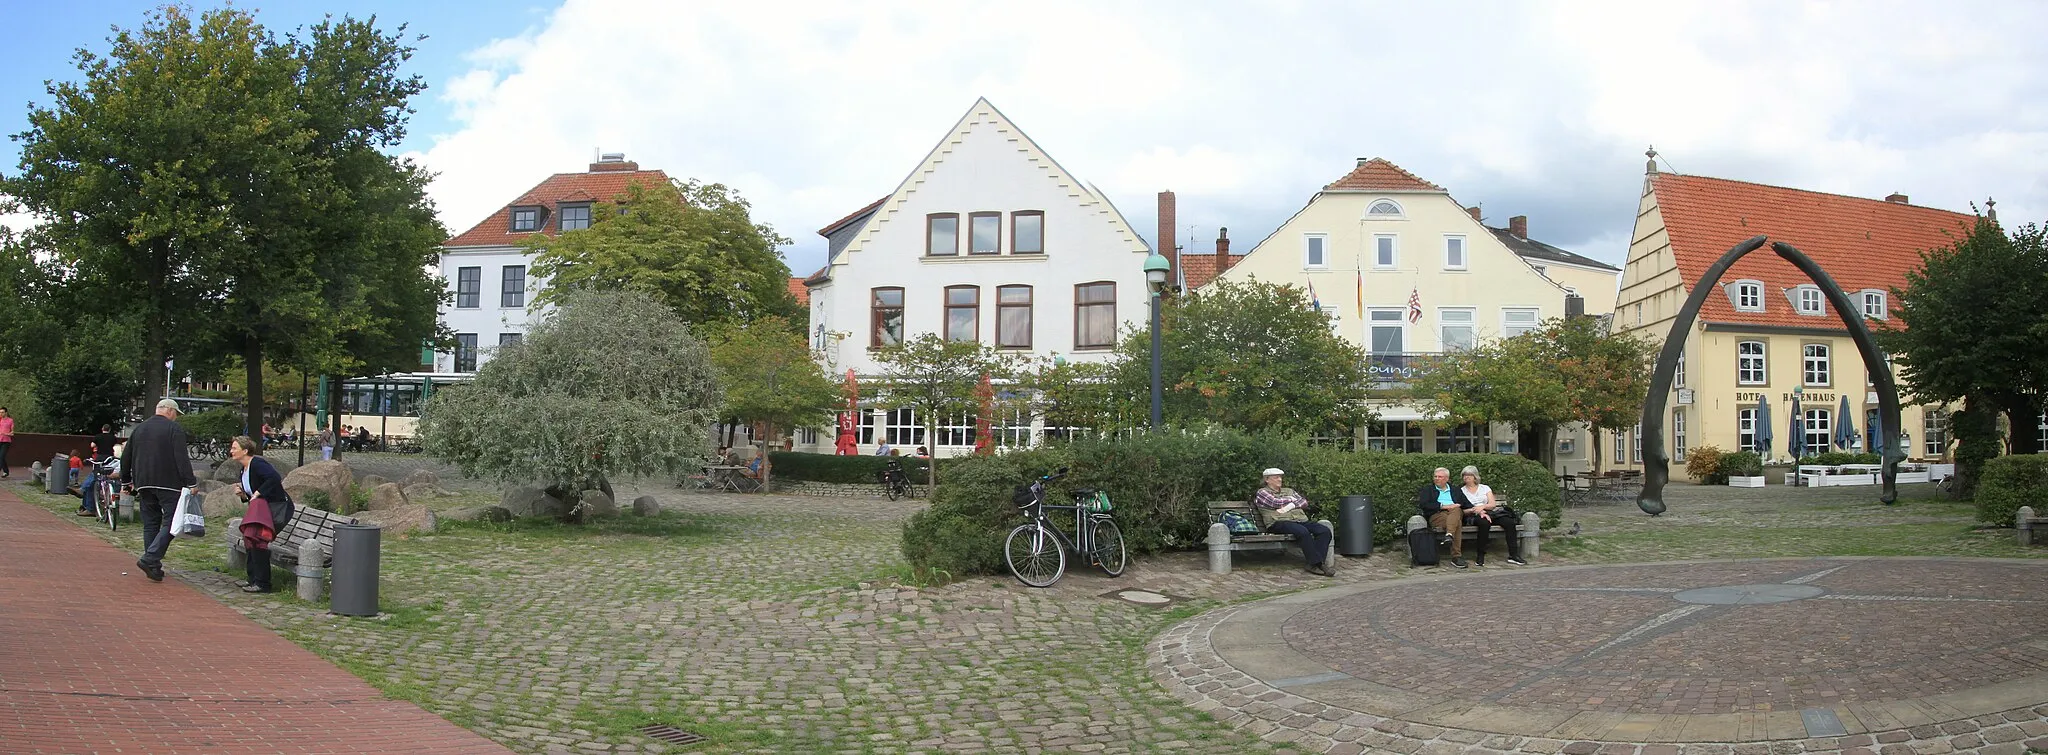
105 443
155 456
1425 499
269 486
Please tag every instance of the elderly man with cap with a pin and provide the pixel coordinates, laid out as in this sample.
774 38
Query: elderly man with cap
156 468
1283 507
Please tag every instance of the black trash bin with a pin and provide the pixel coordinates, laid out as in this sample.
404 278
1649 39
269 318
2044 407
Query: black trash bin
356 557
1354 525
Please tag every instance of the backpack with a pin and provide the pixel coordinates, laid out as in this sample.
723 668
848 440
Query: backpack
1239 524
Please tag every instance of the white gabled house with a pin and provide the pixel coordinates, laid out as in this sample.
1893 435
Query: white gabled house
988 239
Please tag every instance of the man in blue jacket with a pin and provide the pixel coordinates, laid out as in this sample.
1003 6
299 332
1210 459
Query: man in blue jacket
1444 505
157 470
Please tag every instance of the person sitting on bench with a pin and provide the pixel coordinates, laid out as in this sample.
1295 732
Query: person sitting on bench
1283 507
1485 514
1444 505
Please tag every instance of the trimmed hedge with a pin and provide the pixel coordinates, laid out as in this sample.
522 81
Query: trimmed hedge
215 424
1740 464
1161 485
1833 458
846 470
2009 482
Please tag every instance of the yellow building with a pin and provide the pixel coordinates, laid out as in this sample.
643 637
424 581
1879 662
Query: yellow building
1403 269
1768 331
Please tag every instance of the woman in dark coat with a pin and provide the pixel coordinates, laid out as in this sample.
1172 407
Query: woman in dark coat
260 480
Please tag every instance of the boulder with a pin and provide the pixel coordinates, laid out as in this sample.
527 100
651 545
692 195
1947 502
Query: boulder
370 481
406 518
331 478
646 506
387 496
528 501
425 490
222 504
595 503
478 514
229 471
208 486
421 477
598 482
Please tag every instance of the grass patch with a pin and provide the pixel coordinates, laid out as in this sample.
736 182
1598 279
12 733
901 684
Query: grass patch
667 525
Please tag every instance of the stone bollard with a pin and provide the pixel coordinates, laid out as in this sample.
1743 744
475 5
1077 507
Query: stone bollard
312 576
125 511
2023 525
1531 530
238 560
1219 548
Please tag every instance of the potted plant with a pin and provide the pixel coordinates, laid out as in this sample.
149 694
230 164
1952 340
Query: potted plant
1744 469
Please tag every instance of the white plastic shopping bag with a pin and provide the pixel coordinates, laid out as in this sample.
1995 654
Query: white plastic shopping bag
190 519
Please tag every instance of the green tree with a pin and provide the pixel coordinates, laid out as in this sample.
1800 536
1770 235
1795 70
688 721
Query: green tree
1081 395
1569 370
1971 326
692 245
936 378
81 392
770 379
1250 355
607 384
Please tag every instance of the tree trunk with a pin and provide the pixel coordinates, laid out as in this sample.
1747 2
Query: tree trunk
334 412
765 429
2024 422
253 414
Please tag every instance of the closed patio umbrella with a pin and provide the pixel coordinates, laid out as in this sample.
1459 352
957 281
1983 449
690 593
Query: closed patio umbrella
1796 444
1876 436
1845 427
1763 427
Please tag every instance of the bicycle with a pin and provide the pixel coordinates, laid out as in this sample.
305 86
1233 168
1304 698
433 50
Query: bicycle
1036 550
206 449
106 494
895 484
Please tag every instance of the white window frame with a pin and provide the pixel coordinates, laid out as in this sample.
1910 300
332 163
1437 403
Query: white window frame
1882 299
1812 365
1819 415
1446 318
1679 374
1933 432
1393 251
1335 316
1678 433
1746 289
1510 328
1309 244
1745 428
1804 294
1400 320
1399 212
1463 260
1636 440
1763 363
1620 447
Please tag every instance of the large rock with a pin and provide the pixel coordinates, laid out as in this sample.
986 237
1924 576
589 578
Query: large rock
570 493
387 496
595 504
410 517
329 477
222 504
424 491
208 486
527 501
230 471
370 481
478 514
421 477
646 506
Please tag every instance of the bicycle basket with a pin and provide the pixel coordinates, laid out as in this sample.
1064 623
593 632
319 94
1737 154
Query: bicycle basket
1098 503
1022 497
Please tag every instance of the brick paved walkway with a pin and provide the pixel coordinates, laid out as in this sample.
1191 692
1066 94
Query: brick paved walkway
92 661
1786 655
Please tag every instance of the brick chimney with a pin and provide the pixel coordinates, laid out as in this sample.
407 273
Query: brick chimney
1168 247
1897 198
1474 212
613 162
1519 226
1222 249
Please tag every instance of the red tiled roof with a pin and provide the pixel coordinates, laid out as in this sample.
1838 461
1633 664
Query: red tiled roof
496 230
1861 243
1379 175
800 291
1199 269
827 230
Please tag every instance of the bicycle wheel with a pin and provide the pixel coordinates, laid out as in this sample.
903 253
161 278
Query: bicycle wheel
1035 555
110 507
893 488
1109 547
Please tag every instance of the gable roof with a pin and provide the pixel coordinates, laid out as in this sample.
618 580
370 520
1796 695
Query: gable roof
800 291
860 214
596 185
1861 243
1531 249
983 113
1199 269
1377 174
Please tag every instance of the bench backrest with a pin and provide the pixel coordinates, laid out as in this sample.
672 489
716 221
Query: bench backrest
311 525
1216 509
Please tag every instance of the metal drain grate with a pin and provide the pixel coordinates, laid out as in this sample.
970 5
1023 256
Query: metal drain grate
672 735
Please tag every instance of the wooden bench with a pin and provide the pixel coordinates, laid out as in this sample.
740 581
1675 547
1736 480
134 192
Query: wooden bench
1529 529
308 525
1222 542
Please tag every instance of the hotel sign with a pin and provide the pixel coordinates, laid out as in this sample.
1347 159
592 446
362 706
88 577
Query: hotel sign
1786 396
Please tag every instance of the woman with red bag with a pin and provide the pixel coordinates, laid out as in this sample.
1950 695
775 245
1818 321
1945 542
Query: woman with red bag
270 508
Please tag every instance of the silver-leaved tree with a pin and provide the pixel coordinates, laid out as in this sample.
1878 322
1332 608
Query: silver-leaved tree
609 384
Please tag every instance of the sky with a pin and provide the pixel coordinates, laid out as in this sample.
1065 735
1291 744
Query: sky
1244 109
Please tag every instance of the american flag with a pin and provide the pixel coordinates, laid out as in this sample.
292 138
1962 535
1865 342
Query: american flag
1414 306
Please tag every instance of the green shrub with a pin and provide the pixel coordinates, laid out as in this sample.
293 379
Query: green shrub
1704 464
2009 482
1739 464
1161 485
847 470
216 424
1834 458
316 499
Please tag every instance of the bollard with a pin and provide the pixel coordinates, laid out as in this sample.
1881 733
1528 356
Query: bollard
1354 537
125 510
2023 525
356 549
238 559
312 576
1531 531
1219 548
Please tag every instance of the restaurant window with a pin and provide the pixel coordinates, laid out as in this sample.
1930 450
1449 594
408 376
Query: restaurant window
886 316
1820 430
1399 436
1466 438
1745 429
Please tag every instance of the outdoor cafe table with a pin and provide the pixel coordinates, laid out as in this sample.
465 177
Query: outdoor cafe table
725 476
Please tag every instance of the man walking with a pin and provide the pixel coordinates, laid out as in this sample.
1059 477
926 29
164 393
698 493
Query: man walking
6 439
157 470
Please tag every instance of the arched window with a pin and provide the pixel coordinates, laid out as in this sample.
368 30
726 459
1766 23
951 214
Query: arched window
1384 208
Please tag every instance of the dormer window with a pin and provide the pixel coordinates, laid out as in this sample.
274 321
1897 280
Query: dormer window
1875 305
525 219
1806 300
1746 295
575 217
1383 209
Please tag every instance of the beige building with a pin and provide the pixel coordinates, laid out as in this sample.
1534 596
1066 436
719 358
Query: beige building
1400 267
1768 331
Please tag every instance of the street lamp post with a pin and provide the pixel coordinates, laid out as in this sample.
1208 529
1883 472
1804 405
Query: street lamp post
1156 268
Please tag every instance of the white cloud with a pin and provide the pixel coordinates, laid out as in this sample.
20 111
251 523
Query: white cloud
814 109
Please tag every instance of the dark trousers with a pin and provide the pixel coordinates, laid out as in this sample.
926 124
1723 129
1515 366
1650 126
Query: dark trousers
157 507
259 568
1503 519
4 472
1314 539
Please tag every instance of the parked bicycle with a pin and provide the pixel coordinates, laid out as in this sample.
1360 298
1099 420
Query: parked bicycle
206 449
1037 550
895 483
106 493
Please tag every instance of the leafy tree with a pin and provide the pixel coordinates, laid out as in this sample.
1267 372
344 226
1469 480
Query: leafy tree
1082 395
1251 355
692 245
607 384
17 393
1969 326
1569 370
770 380
80 393
936 378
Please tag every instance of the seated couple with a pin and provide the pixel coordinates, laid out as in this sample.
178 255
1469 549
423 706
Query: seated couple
1449 507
